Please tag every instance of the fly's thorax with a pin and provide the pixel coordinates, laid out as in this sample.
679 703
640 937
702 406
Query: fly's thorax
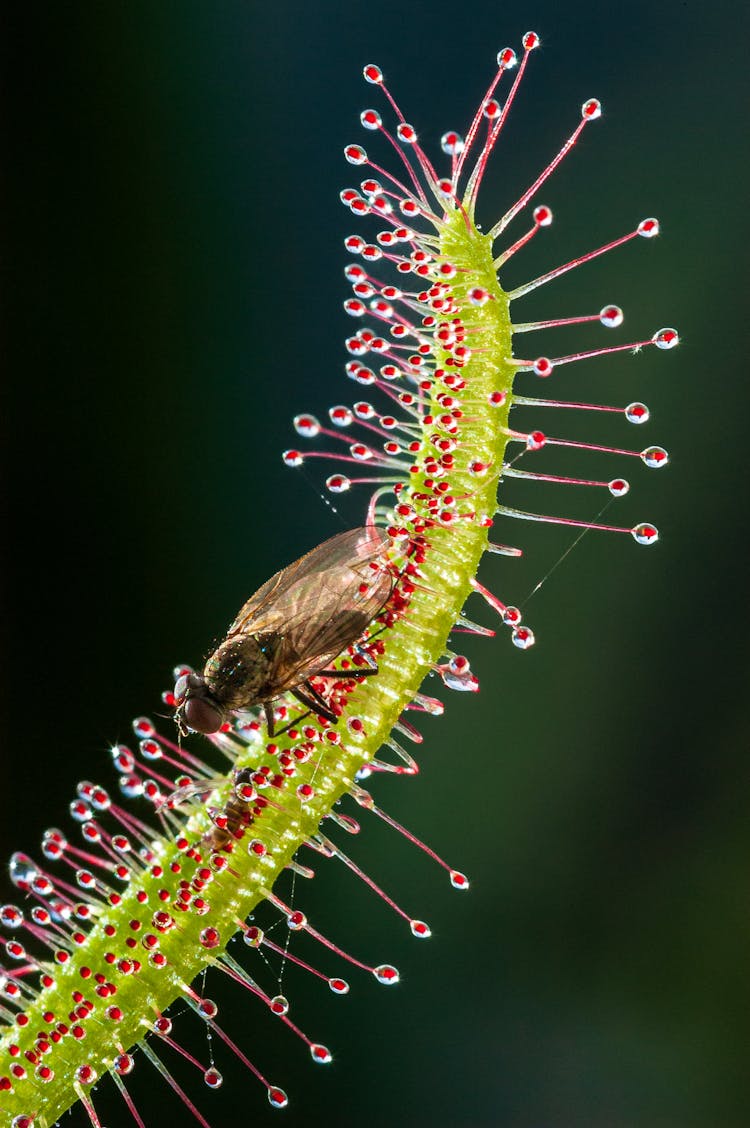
238 672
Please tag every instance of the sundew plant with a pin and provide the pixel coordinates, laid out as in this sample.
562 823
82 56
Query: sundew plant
116 921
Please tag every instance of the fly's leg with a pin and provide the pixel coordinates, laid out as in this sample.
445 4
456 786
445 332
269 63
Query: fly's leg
312 700
345 675
268 710
313 703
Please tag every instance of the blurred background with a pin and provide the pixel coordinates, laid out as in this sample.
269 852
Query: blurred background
173 286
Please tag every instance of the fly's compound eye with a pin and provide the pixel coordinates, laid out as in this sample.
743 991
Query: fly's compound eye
187 685
181 688
195 708
201 715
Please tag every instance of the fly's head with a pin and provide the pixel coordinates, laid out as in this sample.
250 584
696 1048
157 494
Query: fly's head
197 708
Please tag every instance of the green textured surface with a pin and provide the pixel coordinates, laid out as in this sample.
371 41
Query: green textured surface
174 295
413 646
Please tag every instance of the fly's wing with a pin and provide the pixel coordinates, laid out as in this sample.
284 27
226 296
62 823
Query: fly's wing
309 596
313 642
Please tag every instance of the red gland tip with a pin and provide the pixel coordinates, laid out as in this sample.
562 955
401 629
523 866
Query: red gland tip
355 154
645 533
277 1098
452 143
406 133
591 109
371 119
648 228
386 974
654 457
523 638
611 316
637 413
666 338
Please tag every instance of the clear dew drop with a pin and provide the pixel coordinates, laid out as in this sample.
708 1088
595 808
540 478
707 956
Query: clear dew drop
459 880
386 974
452 143
523 638
339 986
320 1054
611 316
213 1078
429 705
124 1064
210 938
307 426
373 74
22 870
338 483
648 228
666 338
420 929
341 416
654 457
645 533
150 750
457 675
11 916
279 1004
618 487
406 133
507 57
277 1098
637 413
253 937
131 786
85 1074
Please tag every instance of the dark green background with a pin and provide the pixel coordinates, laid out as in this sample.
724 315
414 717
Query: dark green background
173 282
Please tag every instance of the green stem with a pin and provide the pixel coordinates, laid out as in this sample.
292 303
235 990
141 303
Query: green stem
412 647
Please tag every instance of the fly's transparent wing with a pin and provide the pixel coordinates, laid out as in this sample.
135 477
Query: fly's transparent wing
311 644
333 581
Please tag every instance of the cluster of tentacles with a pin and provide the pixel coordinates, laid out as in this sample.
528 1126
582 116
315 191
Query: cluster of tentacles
113 928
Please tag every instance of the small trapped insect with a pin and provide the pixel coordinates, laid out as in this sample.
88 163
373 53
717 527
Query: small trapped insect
294 626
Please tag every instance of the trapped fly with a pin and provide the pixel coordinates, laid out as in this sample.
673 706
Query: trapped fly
289 631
